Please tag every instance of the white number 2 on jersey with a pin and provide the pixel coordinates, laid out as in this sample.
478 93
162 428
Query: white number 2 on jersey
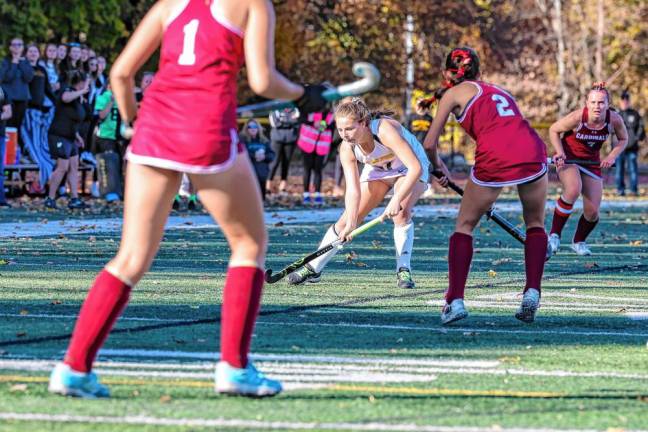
188 56
502 106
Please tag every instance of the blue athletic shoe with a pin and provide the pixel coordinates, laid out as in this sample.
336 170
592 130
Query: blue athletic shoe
67 382
244 382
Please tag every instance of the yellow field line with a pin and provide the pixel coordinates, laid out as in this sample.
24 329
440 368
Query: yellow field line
346 388
446 392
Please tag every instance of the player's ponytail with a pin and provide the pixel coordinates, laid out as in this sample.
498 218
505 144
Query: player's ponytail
461 64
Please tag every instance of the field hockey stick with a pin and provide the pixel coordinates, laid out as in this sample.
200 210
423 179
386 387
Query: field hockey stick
272 278
584 162
490 214
370 80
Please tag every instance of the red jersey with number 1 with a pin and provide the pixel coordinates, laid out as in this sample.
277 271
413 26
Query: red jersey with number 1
509 151
187 120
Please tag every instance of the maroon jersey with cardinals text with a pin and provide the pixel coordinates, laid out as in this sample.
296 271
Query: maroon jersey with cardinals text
508 151
585 143
187 120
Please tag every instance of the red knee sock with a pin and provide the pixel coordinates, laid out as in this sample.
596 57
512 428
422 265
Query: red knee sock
561 214
459 257
241 300
584 229
101 308
535 249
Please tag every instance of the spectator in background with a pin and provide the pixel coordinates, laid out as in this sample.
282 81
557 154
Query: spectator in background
418 122
145 82
50 65
65 140
71 63
5 114
84 56
315 138
15 75
101 81
61 54
283 137
259 151
628 158
107 131
36 122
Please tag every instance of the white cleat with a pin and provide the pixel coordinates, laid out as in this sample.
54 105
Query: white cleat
581 249
454 311
529 306
553 245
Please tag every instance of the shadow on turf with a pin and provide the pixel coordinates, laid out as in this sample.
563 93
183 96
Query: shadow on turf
346 328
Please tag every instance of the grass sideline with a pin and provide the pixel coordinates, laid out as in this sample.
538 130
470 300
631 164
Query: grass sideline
355 352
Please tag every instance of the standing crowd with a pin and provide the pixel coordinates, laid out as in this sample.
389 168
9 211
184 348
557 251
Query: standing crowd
58 110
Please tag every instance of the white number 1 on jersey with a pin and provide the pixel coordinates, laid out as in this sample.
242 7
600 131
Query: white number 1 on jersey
188 56
502 106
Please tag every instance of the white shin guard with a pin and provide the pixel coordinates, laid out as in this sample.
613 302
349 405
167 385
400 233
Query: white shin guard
320 262
404 242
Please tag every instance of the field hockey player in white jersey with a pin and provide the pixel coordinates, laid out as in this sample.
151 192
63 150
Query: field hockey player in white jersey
393 159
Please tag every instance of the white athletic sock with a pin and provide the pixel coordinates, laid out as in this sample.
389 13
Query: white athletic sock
320 262
404 242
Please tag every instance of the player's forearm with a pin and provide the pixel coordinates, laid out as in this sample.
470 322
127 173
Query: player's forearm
273 85
554 138
618 148
352 204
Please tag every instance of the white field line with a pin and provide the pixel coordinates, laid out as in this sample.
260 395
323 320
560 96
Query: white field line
284 374
54 316
517 296
258 424
544 305
637 316
305 373
366 361
438 329
469 330
91 226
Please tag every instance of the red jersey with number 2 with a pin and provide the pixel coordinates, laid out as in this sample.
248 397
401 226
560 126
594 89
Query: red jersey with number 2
509 151
187 120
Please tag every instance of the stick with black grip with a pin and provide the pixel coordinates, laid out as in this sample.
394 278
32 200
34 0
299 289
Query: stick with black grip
370 78
272 278
490 214
583 162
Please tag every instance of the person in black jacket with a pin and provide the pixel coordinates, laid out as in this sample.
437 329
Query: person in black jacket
65 140
15 75
35 124
259 150
636 132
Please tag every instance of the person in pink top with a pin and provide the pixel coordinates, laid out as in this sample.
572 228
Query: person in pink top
187 123
508 153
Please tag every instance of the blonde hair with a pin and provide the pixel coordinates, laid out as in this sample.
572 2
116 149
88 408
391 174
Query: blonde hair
247 138
356 108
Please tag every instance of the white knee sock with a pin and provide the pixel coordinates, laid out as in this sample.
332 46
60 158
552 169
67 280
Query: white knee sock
404 242
320 262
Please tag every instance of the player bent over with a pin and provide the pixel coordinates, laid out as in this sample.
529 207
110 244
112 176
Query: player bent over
393 159
508 152
583 133
187 123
